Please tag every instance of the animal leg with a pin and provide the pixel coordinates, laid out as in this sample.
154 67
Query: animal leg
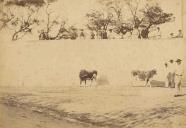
147 81
90 82
150 84
85 82
80 82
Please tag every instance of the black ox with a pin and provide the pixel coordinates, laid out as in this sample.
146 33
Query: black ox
85 75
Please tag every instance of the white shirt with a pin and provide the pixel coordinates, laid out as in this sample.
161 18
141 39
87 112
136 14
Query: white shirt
172 67
179 70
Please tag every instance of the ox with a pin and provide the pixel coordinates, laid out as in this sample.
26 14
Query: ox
85 75
144 75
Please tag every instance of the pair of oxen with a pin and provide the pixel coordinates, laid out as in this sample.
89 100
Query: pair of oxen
146 76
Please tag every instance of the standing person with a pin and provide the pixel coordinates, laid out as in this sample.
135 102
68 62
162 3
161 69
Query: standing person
110 34
171 74
135 34
180 34
92 35
178 76
104 34
82 34
166 75
158 34
98 34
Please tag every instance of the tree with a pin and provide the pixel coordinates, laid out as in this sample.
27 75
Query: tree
142 17
152 16
99 21
20 24
6 17
45 33
133 6
114 6
23 3
24 25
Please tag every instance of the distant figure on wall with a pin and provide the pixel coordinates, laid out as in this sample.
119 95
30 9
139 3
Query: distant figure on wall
158 33
180 34
82 34
103 33
171 35
111 34
92 35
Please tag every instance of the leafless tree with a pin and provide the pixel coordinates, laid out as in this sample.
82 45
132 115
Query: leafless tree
5 18
45 34
24 25
115 6
21 25
133 6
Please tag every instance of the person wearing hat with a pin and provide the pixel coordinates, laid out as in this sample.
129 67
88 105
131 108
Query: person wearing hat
178 75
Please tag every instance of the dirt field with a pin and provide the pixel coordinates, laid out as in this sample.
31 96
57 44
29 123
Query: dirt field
42 77
103 106
15 117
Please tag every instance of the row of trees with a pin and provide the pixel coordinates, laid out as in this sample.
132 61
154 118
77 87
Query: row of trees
127 15
22 16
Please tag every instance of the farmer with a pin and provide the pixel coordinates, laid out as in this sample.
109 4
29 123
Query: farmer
171 74
166 74
178 75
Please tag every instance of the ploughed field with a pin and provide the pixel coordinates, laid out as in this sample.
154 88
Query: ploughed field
102 106
42 77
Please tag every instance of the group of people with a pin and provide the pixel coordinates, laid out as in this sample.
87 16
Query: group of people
174 74
134 34
179 35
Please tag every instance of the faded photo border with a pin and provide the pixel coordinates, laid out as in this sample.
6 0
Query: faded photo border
95 83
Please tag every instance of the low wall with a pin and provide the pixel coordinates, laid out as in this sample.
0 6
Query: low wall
57 63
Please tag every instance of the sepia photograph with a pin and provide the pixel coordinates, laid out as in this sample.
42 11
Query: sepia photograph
92 64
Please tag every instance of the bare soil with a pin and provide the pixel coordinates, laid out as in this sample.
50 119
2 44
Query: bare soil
102 106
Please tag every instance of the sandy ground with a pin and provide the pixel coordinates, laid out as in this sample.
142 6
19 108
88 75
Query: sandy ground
14 117
102 106
42 77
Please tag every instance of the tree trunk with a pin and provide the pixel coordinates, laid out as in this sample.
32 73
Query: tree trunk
145 32
15 36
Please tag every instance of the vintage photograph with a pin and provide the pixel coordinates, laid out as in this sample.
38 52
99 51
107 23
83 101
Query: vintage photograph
92 64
